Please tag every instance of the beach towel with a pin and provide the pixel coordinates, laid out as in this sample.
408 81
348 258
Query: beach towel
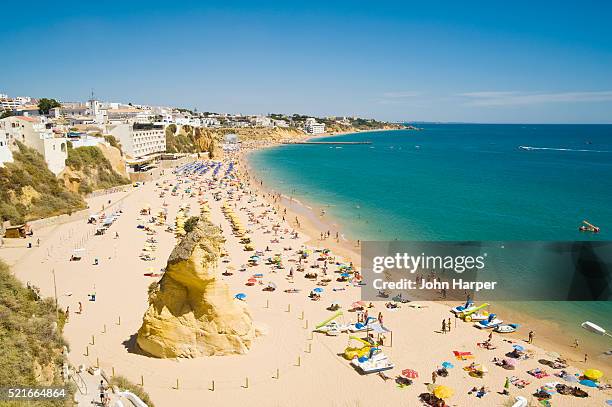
463 355
538 373
520 383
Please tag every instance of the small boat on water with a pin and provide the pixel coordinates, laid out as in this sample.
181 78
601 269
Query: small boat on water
588 227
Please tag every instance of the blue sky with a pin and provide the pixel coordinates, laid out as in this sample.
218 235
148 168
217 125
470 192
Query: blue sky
529 62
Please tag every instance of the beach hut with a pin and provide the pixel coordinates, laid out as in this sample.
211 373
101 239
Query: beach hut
17 231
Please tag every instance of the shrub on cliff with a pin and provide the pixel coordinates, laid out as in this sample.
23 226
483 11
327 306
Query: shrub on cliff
28 190
31 343
92 162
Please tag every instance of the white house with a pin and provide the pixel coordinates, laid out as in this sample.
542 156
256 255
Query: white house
33 133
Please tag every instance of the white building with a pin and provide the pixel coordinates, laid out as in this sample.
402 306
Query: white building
6 156
139 140
262 121
312 127
8 103
280 123
87 140
33 133
210 122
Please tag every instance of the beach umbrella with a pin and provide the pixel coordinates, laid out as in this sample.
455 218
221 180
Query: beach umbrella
593 374
443 392
252 280
410 374
447 365
481 368
240 296
318 290
518 348
588 383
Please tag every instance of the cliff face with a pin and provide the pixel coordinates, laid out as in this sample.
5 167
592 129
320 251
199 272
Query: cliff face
191 312
91 168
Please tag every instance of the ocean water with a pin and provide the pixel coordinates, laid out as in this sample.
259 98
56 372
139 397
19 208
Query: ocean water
460 182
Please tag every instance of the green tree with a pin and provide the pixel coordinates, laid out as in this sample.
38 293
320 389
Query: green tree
6 113
44 105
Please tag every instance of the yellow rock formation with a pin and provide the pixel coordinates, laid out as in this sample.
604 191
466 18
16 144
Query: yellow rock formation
191 311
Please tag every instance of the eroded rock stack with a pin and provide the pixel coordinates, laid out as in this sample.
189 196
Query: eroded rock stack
191 311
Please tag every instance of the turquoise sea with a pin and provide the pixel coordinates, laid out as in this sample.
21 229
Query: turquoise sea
461 182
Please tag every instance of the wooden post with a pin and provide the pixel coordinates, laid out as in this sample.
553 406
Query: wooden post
86 350
93 340
98 362
113 368
213 386
267 303
299 362
306 326
142 380
104 331
119 321
288 307
309 348
177 383
246 384
302 316
391 339
277 373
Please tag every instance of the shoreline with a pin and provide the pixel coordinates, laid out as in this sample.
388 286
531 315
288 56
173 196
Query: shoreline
549 333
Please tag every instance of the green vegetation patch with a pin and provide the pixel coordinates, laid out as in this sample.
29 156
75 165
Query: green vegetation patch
31 342
28 190
92 162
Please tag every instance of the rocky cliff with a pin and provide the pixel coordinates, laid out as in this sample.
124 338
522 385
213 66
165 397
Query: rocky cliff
92 168
191 311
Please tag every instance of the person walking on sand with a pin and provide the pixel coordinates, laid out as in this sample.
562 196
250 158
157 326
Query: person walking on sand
443 326
531 336
434 375
448 324
586 358
576 343
80 307
67 314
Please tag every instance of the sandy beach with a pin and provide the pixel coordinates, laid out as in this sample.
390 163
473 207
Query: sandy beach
289 365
